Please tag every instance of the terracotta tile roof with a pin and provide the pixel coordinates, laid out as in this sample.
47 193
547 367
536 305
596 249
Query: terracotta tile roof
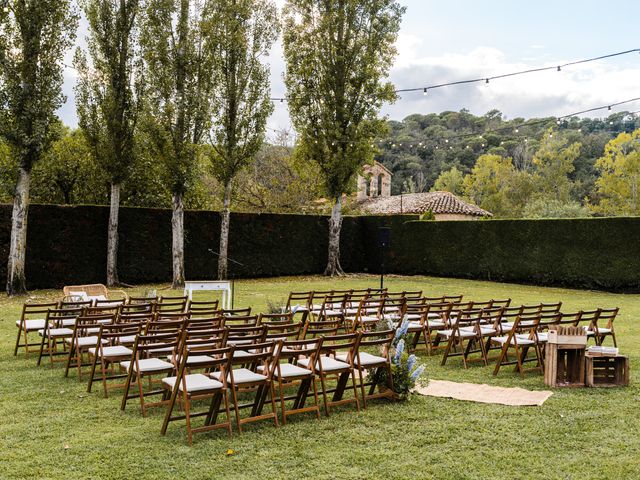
437 202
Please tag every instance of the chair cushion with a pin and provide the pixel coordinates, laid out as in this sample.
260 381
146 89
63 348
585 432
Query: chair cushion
463 333
521 341
328 364
435 323
57 332
193 359
82 342
196 382
366 359
149 365
414 327
33 324
112 351
368 319
289 370
485 330
601 331
242 375
128 339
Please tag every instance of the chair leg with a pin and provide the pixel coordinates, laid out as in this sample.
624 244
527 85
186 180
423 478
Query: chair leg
41 350
324 394
15 350
503 353
187 415
272 394
127 387
447 349
234 396
168 414
282 403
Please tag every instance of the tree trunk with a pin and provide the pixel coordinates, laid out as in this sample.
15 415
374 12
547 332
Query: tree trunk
16 280
177 232
224 233
112 236
335 224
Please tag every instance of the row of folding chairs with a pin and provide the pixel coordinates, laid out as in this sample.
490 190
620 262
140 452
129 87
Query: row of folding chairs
524 329
33 318
200 358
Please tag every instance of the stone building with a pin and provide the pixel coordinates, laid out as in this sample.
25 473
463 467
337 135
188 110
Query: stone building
375 181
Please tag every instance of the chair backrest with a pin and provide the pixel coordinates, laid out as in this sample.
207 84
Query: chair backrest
164 326
107 310
505 302
353 299
207 337
480 304
377 291
152 299
298 298
236 312
370 306
200 323
135 308
345 342
332 303
157 344
67 302
246 335
395 306
413 294
90 326
550 307
172 316
588 318
203 305
29 310
440 311
211 358
393 295
171 306
608 315
307 348
526 323
452 298
62 317
115 333
317 296
283 331
381 339
241 320
271 318
141 318
432 299
319 328
548 319
99 302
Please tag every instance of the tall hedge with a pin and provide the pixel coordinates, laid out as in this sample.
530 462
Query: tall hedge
67 245
599 253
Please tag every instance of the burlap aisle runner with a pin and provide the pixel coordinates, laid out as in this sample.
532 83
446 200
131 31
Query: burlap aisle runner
482 393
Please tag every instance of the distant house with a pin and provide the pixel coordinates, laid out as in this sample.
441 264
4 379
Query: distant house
444 205
375 181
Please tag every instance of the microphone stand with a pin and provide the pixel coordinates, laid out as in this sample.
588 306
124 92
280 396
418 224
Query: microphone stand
233 279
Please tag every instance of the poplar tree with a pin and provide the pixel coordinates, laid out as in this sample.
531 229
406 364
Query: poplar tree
241 33
178 79
107 100
338 55
34 36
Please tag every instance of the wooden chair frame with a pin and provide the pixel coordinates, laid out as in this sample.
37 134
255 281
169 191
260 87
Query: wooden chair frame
26 324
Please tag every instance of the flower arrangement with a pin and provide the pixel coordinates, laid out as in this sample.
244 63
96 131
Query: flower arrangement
405 369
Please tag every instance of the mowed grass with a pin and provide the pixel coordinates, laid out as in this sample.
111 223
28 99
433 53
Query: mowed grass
50 427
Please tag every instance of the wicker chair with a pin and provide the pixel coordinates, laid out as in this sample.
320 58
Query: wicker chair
93 292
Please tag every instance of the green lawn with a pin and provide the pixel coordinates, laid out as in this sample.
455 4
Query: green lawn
51 428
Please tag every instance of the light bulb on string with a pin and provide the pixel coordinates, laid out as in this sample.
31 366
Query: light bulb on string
424 92
516 130
559 69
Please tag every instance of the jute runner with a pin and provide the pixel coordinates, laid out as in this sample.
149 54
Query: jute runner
482 393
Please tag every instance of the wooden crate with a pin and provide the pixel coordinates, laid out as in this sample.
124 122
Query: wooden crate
564 365
612 371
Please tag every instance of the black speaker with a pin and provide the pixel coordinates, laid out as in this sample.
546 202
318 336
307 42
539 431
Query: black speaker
384 237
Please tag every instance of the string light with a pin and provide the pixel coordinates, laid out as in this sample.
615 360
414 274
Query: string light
486 79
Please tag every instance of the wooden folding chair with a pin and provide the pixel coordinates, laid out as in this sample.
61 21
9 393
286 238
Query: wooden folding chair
465 331
152 299
600 332
245 376
203 323
394 308
113 347
32 319
519 338
70 302
85 336
146 362
332 308
300 301
438 317
188 387
368 314
366 362
58 326
291 372
99 311
317 299
352 302
505 302
313 329
328 366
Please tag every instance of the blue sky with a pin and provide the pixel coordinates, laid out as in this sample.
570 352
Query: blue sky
443 41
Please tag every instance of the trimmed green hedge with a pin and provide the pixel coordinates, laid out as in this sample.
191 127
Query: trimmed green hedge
67 245
598 253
